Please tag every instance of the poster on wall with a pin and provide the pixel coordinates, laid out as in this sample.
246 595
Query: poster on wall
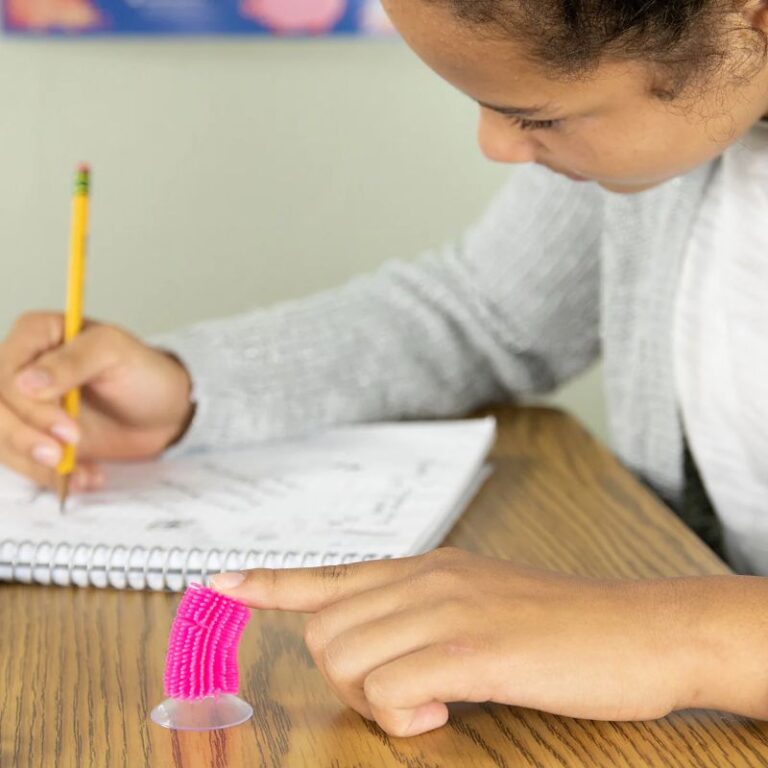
194 17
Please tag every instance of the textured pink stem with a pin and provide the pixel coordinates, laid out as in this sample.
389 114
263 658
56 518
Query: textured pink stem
202 647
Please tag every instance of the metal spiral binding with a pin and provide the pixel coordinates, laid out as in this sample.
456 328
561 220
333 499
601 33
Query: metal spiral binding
54 562
135 569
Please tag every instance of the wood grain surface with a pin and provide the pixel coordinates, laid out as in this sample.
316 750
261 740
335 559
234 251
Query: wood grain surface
81 669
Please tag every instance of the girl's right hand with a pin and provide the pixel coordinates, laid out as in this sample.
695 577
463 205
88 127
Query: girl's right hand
135 398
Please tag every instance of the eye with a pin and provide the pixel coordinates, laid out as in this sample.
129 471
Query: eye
534 125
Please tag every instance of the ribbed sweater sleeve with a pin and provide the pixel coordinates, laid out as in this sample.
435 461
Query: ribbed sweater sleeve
511 308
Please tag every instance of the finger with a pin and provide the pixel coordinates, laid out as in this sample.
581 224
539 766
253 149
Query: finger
32 334
47 418
19 439
35 454
72 365
29 468
85 478
407 696
362 608
348 659
310 589
325 625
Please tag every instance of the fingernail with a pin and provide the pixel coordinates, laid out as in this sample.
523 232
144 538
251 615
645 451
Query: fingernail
47 455
227 580
33 379
66 432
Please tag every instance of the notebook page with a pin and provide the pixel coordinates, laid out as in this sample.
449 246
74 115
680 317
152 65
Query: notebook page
382 489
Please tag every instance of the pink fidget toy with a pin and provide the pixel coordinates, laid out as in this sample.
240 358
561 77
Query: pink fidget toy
201 673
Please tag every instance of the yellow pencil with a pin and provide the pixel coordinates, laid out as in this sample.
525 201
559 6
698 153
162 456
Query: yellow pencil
73 319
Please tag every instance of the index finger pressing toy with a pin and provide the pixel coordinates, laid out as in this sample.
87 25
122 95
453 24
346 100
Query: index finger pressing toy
202 677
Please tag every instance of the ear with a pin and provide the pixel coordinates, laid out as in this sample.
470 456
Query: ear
755 13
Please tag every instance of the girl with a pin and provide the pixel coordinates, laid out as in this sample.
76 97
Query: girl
635 229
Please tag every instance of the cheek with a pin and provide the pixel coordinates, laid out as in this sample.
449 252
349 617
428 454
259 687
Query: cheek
578 151
616 152
642 147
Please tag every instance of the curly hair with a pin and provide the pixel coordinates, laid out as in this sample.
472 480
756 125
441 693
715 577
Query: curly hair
687 40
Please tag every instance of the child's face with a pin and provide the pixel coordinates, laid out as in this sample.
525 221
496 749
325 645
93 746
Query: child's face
609 129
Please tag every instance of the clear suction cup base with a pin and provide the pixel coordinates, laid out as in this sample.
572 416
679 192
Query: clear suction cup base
208 714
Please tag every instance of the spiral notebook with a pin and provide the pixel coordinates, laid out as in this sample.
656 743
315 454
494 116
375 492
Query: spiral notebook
349 494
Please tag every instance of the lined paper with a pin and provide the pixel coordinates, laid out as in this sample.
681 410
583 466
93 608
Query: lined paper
383 489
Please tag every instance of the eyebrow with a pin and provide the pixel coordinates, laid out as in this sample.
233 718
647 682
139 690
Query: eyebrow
519 111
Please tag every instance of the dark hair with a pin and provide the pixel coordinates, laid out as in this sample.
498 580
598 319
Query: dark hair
687 40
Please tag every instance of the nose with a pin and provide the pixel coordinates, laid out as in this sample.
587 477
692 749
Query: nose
503 142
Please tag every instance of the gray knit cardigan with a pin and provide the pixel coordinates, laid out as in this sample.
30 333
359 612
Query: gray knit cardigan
553 275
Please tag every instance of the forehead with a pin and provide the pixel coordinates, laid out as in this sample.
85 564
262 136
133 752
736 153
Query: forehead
498 72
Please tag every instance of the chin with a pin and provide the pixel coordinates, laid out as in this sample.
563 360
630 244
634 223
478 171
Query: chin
633 187
629 189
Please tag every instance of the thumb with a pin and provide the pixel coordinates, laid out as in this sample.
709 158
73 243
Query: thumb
72 365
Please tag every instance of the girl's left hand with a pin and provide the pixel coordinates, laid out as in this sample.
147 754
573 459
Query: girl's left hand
397 639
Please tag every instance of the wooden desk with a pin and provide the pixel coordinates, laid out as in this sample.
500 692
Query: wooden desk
80 669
